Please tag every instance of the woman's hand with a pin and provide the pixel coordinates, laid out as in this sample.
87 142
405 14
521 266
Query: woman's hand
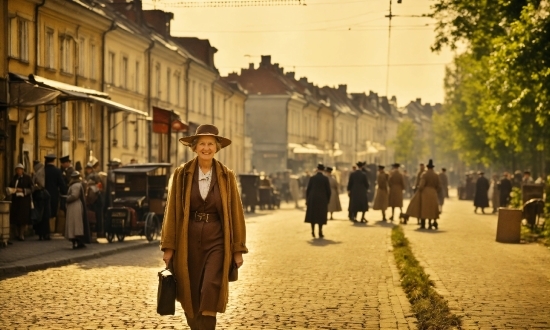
168 253
238 258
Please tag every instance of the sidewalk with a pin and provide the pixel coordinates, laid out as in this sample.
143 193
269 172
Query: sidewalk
491 285
32 254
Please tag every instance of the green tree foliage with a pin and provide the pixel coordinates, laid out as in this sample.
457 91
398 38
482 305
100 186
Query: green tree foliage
497 105
409 146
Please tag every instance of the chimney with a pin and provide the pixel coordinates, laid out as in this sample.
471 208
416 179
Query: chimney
394 99
159 20
290 75
419 100
250 66
276 66
266 61
343 89
304 81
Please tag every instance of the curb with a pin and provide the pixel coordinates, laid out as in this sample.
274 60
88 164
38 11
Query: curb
14 270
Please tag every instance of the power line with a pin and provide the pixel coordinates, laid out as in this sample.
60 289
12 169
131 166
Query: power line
346 28
353 65
233 3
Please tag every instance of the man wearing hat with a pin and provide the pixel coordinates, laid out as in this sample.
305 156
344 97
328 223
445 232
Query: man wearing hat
527 178
481 197
424 204
317 199
358 185
66 168
381 196
55 185
444 191
90 173
397 184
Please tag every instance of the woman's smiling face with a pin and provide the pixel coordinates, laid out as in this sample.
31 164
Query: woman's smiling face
206 147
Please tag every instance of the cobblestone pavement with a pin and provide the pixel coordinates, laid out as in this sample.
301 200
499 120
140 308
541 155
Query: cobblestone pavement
348 280
492 285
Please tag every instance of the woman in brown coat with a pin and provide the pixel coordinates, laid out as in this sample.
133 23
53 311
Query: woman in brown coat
397 184
381 199
203 229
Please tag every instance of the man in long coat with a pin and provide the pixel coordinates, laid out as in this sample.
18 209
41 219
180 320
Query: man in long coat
358 185
481 198
317 199
424 204
421 170
397 184
55 185
381 197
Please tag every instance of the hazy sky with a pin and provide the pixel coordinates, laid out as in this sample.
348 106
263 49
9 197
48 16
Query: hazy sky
330 42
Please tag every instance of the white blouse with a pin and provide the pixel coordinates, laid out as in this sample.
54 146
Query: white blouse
204 183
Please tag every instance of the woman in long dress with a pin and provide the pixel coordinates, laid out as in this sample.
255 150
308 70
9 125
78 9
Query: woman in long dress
334 203
77 229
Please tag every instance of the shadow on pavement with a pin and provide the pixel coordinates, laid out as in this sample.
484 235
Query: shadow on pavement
322 242
382 223
430 231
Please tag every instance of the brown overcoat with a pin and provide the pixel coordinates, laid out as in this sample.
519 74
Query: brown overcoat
176 222
425 204
381 197
397 185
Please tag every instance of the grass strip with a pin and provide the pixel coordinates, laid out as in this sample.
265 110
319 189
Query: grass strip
431 310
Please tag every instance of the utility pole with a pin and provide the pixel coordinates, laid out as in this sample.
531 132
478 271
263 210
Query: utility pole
390 16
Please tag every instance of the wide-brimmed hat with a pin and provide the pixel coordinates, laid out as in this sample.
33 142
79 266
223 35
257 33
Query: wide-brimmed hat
360 164
65 159
90 165
430 164
205 130
328 169
19 166
75 174
320 167
396 165
381 167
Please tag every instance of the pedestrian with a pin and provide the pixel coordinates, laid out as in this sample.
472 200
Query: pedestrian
21 202
381 198
444 188
495 193
481 197
90 173
358 185
55 185
334 203
505 188
41 201
421 169
77 228
397 184
203 230
407 185
66 168
424 203
295 191
317 199
527 179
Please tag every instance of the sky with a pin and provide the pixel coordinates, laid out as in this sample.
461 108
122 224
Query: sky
330 42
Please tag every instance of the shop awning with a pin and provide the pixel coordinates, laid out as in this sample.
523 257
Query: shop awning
165 121
70 90
117 106
305 148
26 94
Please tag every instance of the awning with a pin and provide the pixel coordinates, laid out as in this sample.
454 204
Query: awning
305 148
165 121
25 94
117 106
67 88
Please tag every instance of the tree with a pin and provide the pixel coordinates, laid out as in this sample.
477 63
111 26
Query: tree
409 146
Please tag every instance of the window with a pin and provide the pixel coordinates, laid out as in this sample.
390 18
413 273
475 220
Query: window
111 68
157 79
137 76
93 62
50 50
82 57
51 121
81 119
19 39
125 131
169 85
178 89
124 73
66 55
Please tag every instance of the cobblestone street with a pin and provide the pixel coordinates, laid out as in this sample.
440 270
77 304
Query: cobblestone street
348 280
491 285
289 281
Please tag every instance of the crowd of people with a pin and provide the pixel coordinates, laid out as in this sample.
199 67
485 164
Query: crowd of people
50 197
